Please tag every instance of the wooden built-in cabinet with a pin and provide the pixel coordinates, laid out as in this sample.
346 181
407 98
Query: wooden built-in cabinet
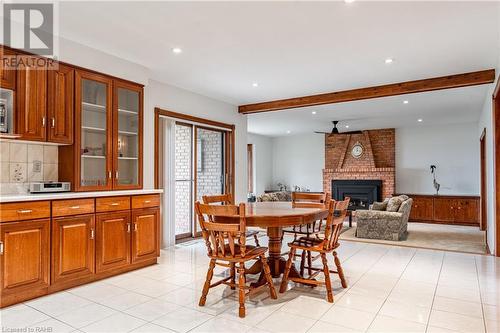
47 246
7 77
445 209
107 154
145 222
113 240
73 239
31 102
60 86
24 260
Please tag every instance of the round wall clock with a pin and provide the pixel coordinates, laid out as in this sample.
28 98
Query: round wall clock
357 150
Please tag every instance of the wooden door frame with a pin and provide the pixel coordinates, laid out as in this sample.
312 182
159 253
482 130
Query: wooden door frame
496 163
229 157
250 182
229 150
483 223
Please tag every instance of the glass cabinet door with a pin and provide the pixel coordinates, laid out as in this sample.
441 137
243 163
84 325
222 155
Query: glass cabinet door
94 131
127 121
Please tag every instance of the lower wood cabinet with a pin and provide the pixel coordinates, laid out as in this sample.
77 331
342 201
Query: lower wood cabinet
445 209
113 241
24 260
145 238
73 250
46 249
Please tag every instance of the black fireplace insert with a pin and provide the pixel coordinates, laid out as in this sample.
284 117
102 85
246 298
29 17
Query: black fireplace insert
362 192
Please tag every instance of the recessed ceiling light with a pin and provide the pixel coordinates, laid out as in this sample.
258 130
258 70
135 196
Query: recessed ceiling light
389 61
405 102
314 112
288 132
255 84
177 50
420 120
346 126
349 1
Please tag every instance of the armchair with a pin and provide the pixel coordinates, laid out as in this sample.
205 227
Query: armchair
384 223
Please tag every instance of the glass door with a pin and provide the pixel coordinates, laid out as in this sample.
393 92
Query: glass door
183 180
93 131
127 138
209 162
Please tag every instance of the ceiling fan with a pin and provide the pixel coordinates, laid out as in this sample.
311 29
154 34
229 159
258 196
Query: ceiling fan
335 130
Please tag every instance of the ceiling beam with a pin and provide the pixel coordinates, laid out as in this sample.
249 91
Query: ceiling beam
410 87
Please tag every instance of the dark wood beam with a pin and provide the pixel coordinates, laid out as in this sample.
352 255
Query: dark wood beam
410 87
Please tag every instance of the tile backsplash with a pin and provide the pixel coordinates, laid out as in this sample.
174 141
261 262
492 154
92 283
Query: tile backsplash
22 163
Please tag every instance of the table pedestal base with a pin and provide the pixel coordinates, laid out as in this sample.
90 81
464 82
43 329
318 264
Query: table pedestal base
275 260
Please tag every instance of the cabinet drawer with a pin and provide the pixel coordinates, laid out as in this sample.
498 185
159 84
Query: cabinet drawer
72 207
145 201
19 211
111 204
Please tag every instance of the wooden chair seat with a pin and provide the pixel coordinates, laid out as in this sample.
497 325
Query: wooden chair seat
307 243
251 252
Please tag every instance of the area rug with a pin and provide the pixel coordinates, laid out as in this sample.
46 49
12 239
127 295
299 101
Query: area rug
433 236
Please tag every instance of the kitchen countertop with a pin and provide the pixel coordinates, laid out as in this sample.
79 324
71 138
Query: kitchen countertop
71 195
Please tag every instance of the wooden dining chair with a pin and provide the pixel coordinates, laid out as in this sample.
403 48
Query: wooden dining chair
325 243
306 200
226 241
227 199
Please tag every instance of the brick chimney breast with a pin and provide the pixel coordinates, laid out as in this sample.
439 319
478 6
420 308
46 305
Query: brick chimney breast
377 162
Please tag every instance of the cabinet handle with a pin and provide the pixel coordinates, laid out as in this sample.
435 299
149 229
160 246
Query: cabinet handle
147 201
74 207
109 174
459 207
25 211
114 204
451 207
43 121
92 233
128 227
53 122
135 227
116 174
1 247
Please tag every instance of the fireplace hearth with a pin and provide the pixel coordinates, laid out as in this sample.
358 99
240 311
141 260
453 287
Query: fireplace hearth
362 192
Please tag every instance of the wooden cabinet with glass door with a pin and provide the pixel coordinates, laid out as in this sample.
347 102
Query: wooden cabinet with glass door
107 154
127 135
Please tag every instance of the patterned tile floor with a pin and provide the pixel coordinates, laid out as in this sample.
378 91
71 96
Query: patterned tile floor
391 289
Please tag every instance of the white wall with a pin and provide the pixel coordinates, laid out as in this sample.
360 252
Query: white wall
299 160
262 162
454 149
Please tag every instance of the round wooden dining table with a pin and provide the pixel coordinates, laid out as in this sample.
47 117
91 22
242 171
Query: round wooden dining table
273 216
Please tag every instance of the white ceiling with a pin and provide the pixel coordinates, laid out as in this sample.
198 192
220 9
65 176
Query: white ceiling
299 48
442 107
289 48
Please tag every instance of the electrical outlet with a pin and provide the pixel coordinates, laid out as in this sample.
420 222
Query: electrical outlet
37 166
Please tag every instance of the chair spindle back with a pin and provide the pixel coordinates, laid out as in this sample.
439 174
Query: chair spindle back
337 212
223 229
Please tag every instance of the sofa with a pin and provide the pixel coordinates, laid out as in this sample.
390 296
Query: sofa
386 220
275 196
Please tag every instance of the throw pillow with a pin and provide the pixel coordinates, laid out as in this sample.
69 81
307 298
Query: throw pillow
394 203
380 205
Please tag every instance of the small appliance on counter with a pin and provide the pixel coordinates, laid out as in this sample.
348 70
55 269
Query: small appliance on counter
49 187
4 121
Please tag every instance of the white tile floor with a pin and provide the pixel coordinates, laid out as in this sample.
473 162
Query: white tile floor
391 289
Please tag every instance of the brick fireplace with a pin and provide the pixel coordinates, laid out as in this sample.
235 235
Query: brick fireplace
378 160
